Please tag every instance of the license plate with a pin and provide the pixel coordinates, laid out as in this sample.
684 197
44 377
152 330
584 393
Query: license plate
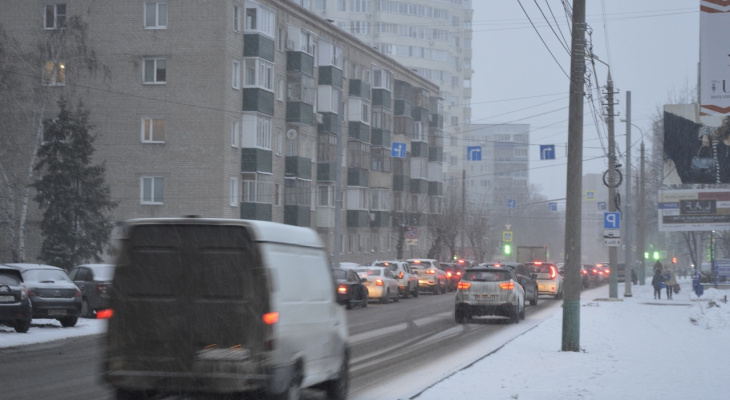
7 298
485 296
56 312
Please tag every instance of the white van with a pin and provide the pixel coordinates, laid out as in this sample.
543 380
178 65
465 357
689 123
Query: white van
214 306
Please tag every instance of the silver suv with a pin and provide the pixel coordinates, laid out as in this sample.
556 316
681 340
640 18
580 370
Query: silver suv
430 275
407 279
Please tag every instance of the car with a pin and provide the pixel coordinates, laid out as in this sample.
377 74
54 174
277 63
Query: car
430 276
527 280
52 294
349 265
454 271
380 282
407 279
94 281
489 291
589 276
212 307
549 281
15 308
603 271
350 289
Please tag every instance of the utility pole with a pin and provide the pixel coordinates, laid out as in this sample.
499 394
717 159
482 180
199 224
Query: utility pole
571 302
337 241
463 211
628 254
641 240
612 260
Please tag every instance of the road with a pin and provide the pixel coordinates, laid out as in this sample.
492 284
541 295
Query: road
390 345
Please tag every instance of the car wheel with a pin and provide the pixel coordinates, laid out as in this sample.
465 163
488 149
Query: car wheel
293 392
522 313
68 322
337 388
86 310
436 288
406 293
397 296
515 317
459 317
444 288
533 300
22 325
348 305
415 291
365 301
384 299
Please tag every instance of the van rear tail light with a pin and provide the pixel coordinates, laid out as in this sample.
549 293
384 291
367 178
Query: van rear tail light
342 289
270 318
105 314
463 285
507 285
378 282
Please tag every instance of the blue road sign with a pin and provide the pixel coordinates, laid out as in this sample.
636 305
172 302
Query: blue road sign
553 206
511 203
474 153
398 150
547 151
612 220
602 206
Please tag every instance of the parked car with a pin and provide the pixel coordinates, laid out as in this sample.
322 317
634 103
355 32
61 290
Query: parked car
52 294
351 291
210 307
454 271
407 279
549 281
94 281
15 308
430 276
380 282
489 291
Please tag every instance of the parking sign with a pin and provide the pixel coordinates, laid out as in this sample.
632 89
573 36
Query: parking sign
612 220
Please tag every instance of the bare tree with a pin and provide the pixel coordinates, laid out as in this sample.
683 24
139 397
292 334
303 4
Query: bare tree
478 226
409 211
445 226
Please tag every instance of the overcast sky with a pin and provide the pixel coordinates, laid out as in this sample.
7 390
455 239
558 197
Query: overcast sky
652 47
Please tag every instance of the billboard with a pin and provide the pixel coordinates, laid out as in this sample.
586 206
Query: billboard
714 60
694 210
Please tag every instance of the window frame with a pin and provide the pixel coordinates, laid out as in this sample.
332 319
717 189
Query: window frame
157 23
263 73
155 64
154 182
59 20
236 74
236 18
55 75
233 195
149 137
235 131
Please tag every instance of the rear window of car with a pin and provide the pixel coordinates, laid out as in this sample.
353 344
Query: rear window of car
538 268
487 276
104 273
45 275
340 274
9 278
369 271
389 265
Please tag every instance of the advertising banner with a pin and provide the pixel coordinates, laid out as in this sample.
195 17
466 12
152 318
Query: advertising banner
694 210
714 59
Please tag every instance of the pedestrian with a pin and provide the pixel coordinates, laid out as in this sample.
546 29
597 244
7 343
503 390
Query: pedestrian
656 281
670 279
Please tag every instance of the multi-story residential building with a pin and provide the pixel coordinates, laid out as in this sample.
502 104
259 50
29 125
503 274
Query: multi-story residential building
431 37
234 109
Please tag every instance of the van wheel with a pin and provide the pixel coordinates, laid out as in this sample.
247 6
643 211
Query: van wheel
293 393
337 388
384 299
68 322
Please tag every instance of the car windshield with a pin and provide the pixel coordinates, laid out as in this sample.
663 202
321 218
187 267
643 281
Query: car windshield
391 266
487 276
7 278
340 274
45 275
538 268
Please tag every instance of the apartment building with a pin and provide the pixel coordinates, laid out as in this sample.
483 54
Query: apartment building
234 109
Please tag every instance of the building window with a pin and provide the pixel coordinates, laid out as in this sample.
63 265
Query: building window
360 6
55 16
326 195
153 130
54 73
381 159
236 75
380 199
301 88
261 126
259 73
151 189
258 188
277 194
358 198
260 19
233 199
298 192
341 5
382 79
278 141
235 131
320 5
329 54
236 18
155 70
155 15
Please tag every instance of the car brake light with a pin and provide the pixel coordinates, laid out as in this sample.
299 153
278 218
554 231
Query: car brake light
400 276
538 263
553 272
463 285
458 273
583 272
342 289
507 285
607 271
448 274
102 288
104 314
378 282
416 261
430 271
270 318
498 265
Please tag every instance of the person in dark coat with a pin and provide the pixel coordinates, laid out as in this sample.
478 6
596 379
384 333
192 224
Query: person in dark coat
657 280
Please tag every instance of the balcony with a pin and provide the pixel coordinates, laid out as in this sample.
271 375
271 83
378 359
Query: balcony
326 171
257 211
297 215
299 167
357 176
298 112
435 188
380 137
401 183
298 61
255 160
419 149
256 45
259 100
379 219
419 186
359 88
382 97
358 131
403 107
330 75
358 218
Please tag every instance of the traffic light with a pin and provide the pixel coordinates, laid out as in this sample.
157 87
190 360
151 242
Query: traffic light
507 248
646 255
656 255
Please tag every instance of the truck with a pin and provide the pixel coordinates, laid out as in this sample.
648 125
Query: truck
531 253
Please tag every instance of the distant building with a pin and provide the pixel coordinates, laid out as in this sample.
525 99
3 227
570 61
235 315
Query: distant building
233 109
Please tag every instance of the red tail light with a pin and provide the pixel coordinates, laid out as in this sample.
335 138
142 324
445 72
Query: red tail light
102 288
378 282
607 271
400 276
538 263
507 285
430 271
458 273
270 318
583 272
448 274
463 285
342 289
553 272
104 314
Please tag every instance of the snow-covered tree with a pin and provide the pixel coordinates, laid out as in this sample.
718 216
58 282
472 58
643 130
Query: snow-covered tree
71 191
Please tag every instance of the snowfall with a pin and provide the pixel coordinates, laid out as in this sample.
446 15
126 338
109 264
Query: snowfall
630 348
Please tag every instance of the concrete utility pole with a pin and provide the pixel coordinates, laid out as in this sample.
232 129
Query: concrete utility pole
572 282
612 281
628 254
641 241
463 212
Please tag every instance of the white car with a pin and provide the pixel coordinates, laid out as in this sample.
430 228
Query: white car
430 275
407 279
549 281
487 291
380 282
